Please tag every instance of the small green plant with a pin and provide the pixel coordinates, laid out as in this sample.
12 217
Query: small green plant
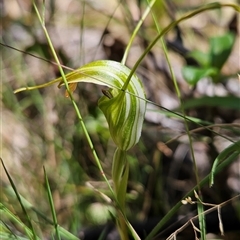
210 63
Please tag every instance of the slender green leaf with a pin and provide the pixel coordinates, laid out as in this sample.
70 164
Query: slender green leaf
230 102
201 218
223 156
52 206
32 235
29 206
9 236
5 212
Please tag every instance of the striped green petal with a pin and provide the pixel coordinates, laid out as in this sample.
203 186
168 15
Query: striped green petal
124 113
124 110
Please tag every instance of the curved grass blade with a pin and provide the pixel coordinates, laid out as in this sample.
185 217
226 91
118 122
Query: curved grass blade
31 234
28 206
223 156
4 211
52 206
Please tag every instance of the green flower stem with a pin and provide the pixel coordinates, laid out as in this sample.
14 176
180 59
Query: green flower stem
120 169
120 172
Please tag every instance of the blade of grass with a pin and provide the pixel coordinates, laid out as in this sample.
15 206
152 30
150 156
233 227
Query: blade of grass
201 219
4 211
33 234
28 205
4 228
140 22
233 148
52 205
82 57
8 236
105 29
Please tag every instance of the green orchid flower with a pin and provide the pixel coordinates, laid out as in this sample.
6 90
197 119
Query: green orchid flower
124 110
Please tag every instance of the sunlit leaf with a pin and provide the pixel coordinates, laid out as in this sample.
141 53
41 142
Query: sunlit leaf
202 58
193 74
220 49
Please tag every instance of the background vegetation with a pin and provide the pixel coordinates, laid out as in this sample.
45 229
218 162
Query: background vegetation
39 128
